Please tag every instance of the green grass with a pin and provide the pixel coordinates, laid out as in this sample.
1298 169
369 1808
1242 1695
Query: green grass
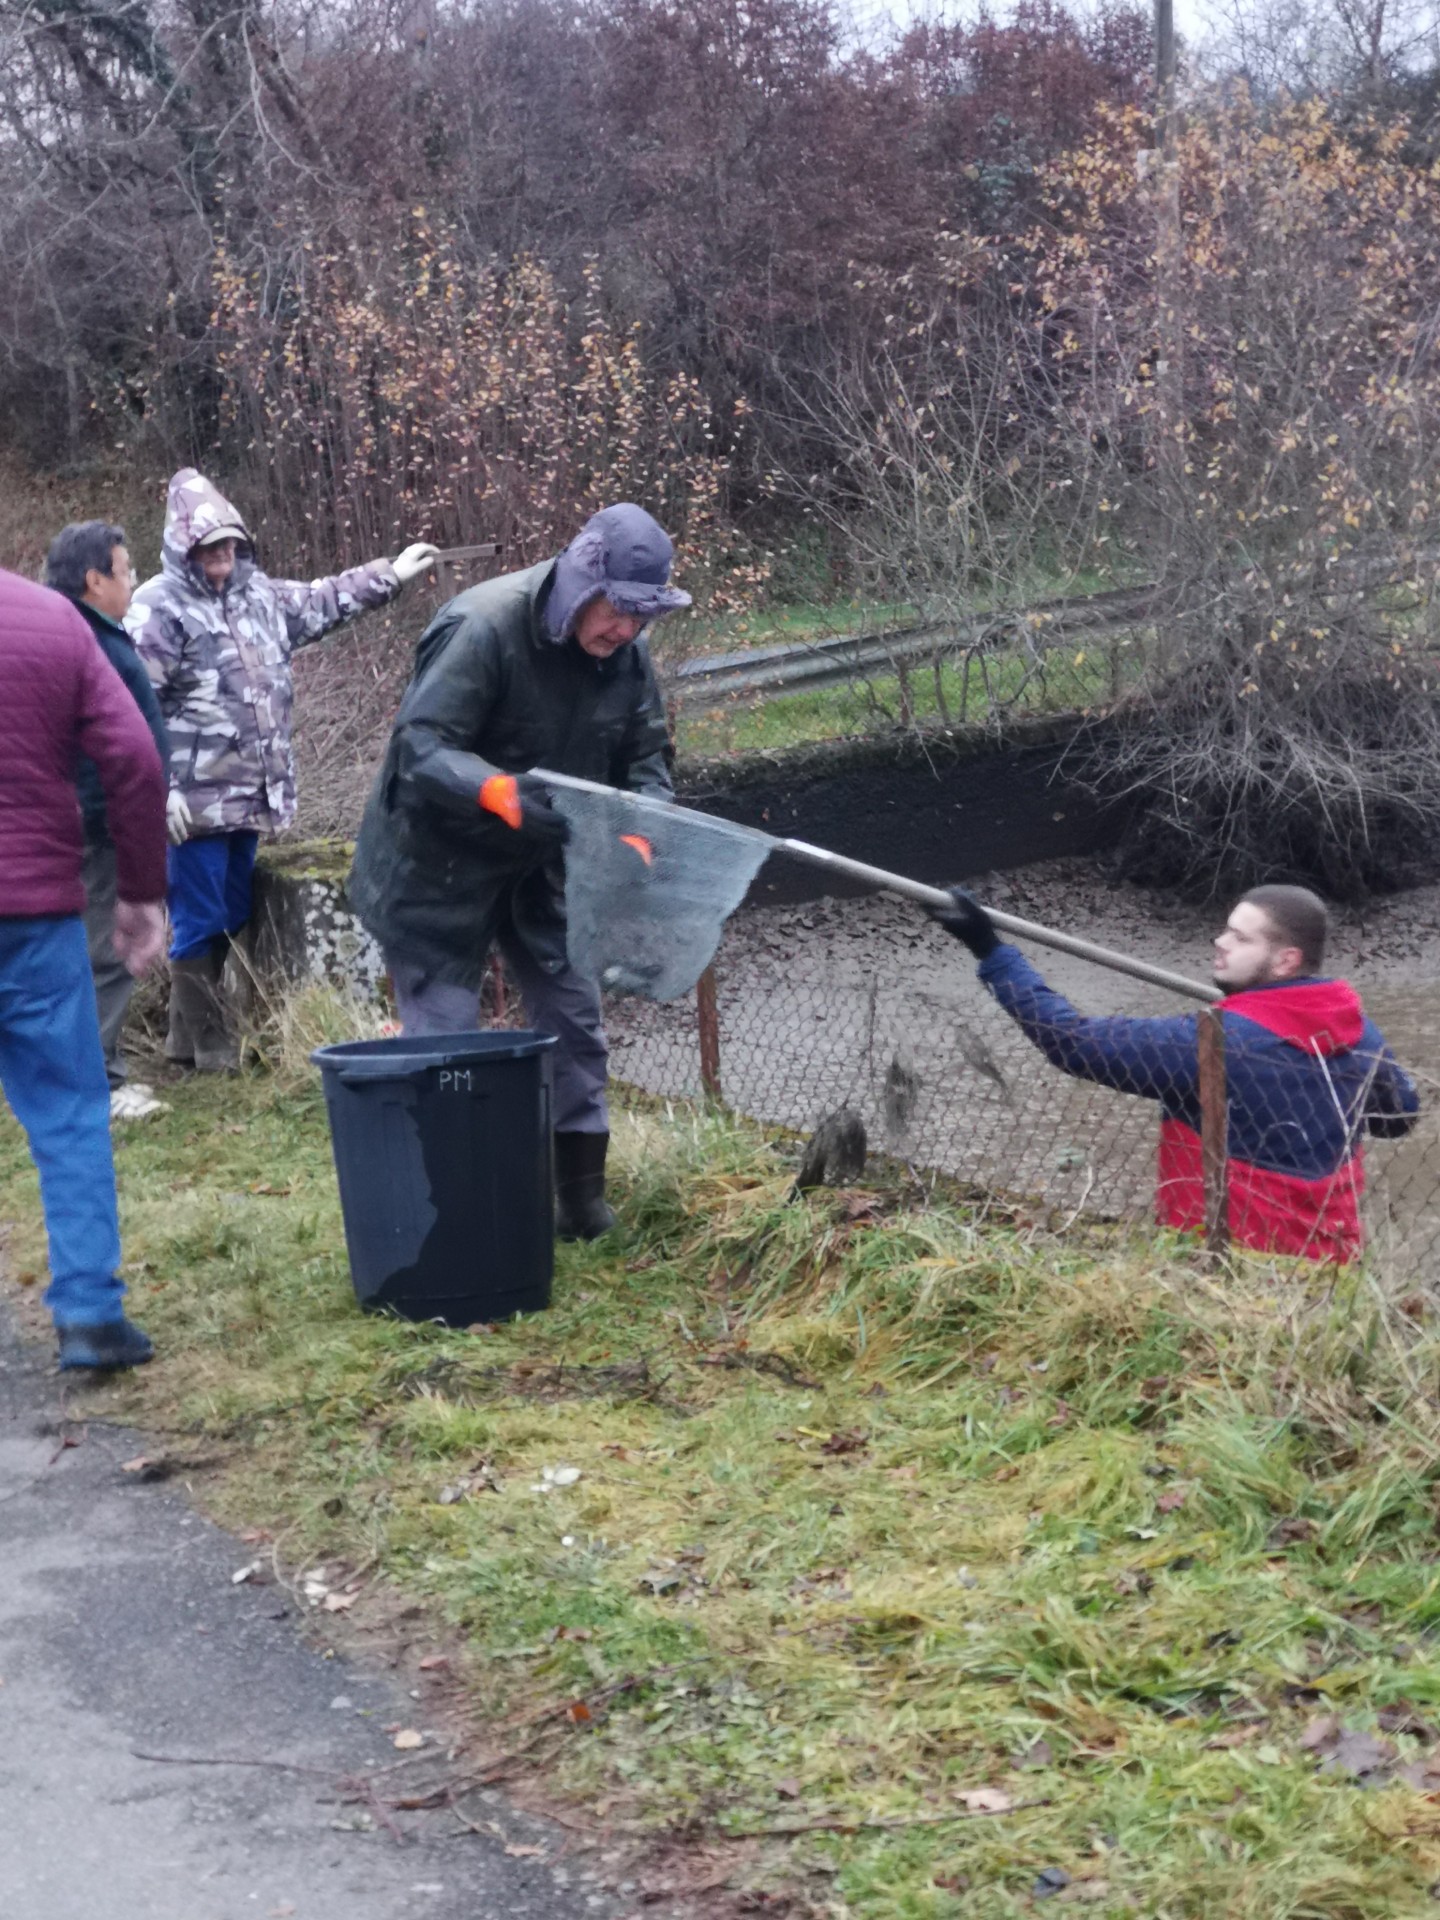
806 610
963 693
882 1504
784 623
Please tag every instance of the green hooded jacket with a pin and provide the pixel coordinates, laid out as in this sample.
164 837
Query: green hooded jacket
435 877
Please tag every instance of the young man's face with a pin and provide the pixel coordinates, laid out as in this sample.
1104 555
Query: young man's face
217 562
109 593
1251 953
602 629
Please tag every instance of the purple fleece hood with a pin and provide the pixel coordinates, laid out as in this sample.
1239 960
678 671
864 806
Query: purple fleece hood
622 552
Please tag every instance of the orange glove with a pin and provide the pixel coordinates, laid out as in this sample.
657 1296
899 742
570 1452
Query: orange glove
500 794
522 802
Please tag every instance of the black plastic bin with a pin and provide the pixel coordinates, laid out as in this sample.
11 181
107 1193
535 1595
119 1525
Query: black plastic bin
444 1157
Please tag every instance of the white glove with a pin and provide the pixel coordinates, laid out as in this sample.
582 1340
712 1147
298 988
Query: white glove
414 560
177 816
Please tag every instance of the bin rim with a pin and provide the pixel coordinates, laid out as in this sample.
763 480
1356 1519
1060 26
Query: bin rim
396 1054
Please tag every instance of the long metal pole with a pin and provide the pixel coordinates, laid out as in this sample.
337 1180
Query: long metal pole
917 890
1007 922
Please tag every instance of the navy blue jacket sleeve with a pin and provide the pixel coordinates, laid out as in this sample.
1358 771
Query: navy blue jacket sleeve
1392 1100
1153 1057
116 647
131 669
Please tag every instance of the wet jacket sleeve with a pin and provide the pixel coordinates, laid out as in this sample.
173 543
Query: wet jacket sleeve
447 706
642 764
112 734
1392 1100
312 607
1155 1057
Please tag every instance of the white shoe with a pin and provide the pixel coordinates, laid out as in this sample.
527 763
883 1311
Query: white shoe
135 1102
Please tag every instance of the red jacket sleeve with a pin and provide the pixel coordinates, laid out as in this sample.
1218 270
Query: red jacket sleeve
112 732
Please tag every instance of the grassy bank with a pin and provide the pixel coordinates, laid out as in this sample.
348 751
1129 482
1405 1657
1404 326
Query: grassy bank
968 692
964 1567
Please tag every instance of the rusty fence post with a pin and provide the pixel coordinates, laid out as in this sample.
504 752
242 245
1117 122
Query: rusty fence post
1214 1132
707 1015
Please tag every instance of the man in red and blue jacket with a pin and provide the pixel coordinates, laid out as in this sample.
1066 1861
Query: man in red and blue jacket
1307 1075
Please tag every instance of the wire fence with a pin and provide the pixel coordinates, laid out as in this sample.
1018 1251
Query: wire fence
864 1006
1298 1147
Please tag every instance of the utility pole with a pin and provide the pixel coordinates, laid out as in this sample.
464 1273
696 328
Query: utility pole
1169 264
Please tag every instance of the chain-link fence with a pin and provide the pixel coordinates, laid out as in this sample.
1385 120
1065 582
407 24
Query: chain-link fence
793 1025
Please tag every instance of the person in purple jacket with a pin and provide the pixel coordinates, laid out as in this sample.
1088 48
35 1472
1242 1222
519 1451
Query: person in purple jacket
64 701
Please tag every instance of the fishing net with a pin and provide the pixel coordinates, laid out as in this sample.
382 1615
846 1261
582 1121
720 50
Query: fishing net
649 887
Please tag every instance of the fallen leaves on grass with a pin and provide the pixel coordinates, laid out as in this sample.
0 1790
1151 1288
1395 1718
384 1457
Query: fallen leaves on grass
1402 1716
480 1479
660 1580
1339 1749
1293 1531
985 1800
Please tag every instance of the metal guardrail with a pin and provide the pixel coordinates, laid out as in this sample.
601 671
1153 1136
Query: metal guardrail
821 663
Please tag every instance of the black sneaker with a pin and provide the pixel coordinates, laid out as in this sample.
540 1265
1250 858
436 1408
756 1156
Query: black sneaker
104 1349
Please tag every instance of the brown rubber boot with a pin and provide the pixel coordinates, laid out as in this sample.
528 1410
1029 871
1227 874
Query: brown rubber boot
179 1041
195 983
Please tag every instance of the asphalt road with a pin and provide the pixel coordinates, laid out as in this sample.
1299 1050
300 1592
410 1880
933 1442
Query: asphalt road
121 1629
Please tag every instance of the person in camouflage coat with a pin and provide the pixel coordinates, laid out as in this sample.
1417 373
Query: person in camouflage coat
216 635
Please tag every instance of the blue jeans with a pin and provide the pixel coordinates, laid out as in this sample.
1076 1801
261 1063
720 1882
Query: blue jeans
209 890
53 1074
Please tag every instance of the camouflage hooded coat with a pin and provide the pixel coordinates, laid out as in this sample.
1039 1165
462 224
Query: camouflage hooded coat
220 661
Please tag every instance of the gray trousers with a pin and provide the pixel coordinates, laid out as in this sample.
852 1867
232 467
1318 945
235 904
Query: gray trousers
563 1003
114 982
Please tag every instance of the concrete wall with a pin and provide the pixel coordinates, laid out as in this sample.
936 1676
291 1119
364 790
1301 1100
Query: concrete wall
302 927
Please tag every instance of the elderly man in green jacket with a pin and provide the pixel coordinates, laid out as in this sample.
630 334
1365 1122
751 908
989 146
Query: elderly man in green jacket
460 849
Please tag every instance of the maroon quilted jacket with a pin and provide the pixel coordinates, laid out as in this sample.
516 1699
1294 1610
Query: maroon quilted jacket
61 698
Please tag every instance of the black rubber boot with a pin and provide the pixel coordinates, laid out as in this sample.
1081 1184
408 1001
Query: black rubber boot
580 1209
119 1343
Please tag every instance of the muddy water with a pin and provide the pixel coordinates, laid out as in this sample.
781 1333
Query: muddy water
864 1002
